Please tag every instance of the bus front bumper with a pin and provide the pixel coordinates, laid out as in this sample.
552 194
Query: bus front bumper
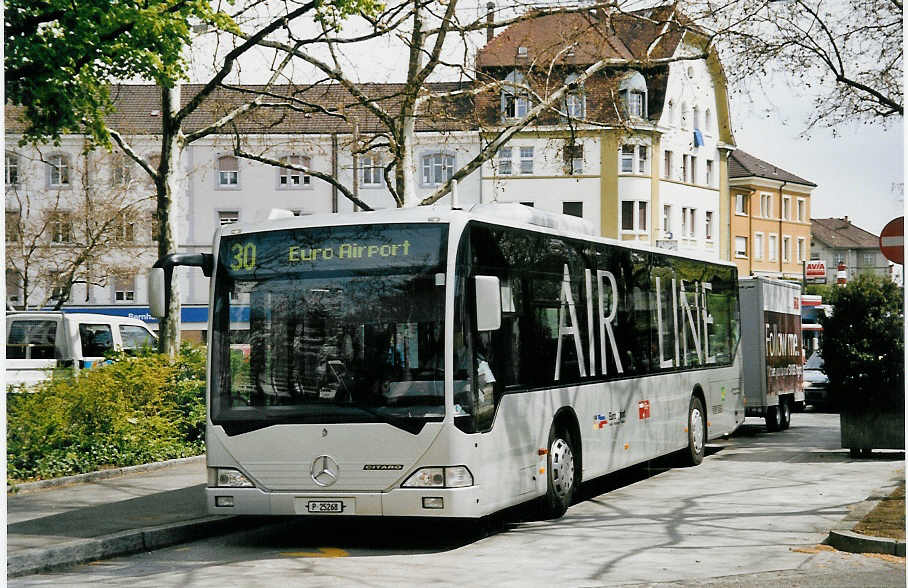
402 502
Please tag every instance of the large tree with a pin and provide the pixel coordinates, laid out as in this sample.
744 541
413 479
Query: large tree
149 40
85 235
845 55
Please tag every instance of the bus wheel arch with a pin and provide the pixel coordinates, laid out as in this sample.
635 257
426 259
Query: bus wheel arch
564 461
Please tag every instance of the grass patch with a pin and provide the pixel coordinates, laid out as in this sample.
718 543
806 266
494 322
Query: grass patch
887 519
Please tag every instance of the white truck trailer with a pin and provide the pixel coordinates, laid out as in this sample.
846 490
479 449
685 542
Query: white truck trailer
773 367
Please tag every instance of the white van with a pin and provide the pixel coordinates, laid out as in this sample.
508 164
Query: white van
37 342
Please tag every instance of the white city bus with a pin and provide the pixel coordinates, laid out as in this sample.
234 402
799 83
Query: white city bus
428 362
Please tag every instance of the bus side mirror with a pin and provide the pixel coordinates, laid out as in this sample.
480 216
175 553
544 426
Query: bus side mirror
488 303
157 300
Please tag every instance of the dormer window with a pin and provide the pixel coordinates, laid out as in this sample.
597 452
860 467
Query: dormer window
515 101
574 100
522 52
632 91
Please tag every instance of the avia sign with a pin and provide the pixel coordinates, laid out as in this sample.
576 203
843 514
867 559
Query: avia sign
815 269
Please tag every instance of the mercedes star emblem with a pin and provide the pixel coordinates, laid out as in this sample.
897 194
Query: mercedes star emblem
324 470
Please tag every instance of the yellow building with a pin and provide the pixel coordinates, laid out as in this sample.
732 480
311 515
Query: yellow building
770 218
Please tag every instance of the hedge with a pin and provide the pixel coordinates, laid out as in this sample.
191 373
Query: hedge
130 411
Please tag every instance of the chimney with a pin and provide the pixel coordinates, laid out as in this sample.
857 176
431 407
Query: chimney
846 219
490 20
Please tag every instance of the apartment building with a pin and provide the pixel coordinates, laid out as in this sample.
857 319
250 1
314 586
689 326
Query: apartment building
838 241
770 222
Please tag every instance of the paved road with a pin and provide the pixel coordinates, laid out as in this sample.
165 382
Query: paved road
752 514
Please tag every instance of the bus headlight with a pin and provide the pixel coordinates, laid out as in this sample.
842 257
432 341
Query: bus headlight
449 477
231 478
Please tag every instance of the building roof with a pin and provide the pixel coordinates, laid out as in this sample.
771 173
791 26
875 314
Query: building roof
839 233
744 165
318 109
595 34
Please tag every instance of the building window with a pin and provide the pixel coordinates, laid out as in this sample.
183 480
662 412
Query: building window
839 258
786 248
707 121
574 99
289 178
709 172
61 227
689 222
12 226
786 207
632 92
869 259
124 229
741 204
708 229
685 168
228 217
505 165
634 216
228 171
573 159
802 209
802 249
526 160
437 168
13 287
671 112
667 221
758 245
12 169
515 99
627 159
667 164
572 208
740 246
685 116
59 293
693 169
766 205
635 159
58 170
371 171
697 117
773 248
124 289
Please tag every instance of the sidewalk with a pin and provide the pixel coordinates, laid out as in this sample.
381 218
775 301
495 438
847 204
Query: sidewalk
102 517
99 518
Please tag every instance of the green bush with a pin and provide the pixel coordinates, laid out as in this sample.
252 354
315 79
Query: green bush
863 345
133 410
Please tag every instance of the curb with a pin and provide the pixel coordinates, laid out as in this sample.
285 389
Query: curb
33 561
843 537
100 475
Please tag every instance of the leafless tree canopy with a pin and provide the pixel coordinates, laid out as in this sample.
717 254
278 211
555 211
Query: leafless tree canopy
846 55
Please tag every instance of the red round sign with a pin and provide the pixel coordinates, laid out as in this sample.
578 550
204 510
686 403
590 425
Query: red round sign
892 240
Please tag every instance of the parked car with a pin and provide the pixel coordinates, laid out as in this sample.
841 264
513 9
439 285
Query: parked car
816 382
39 342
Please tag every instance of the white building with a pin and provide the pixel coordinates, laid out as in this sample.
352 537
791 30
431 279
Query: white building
650 166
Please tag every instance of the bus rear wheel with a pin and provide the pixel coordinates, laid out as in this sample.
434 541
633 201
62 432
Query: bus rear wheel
561 474
696 434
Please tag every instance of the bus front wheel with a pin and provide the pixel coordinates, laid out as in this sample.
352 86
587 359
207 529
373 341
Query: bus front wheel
696 433
561 474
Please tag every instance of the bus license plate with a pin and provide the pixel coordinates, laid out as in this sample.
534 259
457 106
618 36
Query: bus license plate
325 506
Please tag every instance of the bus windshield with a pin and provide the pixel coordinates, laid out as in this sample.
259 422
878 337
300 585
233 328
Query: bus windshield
327 325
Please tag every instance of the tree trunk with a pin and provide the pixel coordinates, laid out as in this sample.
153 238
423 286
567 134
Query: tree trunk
168 186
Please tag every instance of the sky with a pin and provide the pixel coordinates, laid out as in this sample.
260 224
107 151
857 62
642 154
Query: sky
859 169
